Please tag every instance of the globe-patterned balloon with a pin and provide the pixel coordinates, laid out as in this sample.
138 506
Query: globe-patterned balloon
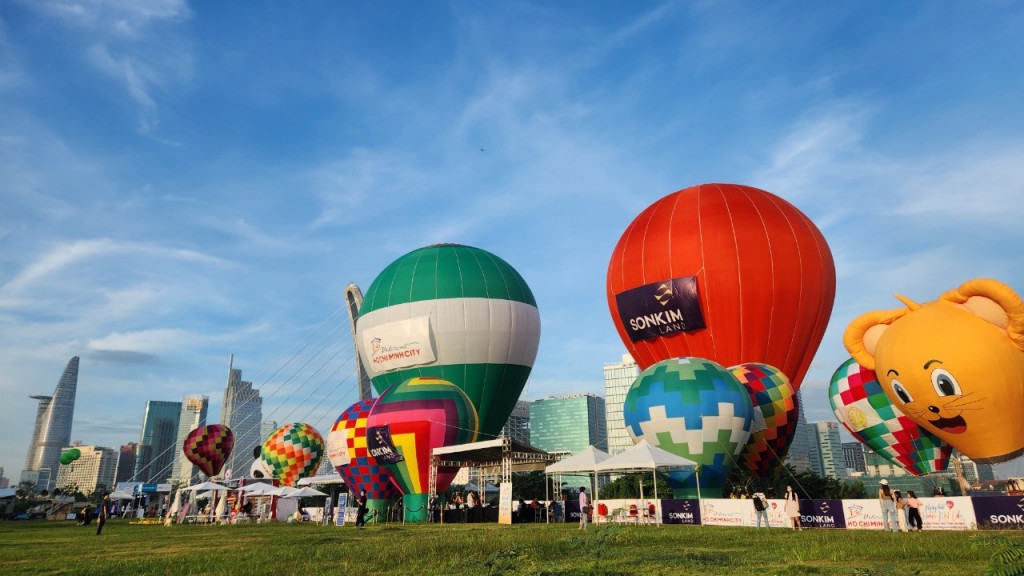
208 447
863 408
293 452
693 408
776 412
419 415
361 471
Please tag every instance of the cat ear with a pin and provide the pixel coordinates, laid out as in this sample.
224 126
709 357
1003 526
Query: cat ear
993 302
862 335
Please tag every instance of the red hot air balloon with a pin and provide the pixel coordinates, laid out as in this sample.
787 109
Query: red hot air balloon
725 272
208 447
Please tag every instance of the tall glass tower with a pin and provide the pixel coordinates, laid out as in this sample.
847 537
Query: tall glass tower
157 450
193 415
568 423
617 380
242 411
53 430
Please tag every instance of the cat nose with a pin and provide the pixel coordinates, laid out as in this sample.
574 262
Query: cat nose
933 409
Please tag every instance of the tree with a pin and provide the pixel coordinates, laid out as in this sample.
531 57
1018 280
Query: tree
628 486
26 491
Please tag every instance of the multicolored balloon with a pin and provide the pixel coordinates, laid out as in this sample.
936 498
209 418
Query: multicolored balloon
864 409
70 456
729 273
354 463
411 419
293 452
457 313
696 409
776 411
208 447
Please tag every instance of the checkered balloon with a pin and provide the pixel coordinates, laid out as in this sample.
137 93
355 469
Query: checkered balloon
775 417
293 452
208 447
346 445
693 408
863 408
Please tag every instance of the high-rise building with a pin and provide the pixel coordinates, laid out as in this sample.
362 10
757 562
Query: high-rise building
95 468
972 471
830 448
242 411
568 423
193 415
156 452
518 425
617 380
52 431
803 453
4 480
267 427
354 300
853 455
126 462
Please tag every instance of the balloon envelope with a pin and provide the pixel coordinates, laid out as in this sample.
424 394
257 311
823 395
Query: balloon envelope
293 452
693 408
208 447
457 313
776 411
419 415
862 406
725 272
346 445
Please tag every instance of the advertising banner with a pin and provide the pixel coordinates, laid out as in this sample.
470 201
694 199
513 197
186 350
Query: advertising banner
998 512
822 514
863 514
949 513
505 503
380 445
660 309
680 512
339 511
740 512
337 447
398 345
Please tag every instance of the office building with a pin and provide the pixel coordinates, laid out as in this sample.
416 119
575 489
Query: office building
830 450
853 456
617 380
517 427
95 468
568 423
4 480
126 462
193 415
267 427
242 411
52 431
354 301
803 452
157 449
972 471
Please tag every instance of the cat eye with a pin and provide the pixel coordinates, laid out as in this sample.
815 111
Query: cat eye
944 383
901 392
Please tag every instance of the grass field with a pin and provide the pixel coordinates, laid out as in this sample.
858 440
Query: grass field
38 547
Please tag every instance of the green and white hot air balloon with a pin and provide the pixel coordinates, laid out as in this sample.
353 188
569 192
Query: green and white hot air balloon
457 313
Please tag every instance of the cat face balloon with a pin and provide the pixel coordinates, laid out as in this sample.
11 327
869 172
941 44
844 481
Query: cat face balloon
955 366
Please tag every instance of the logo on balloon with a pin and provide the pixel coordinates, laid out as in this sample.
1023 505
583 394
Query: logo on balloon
381 447
660 309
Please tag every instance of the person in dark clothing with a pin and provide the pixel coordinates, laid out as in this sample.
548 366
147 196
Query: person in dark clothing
361 509
102 514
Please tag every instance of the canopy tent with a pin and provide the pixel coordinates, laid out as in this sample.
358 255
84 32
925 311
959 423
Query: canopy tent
121 495
585 461
642 458
8 492
206 487
306 492
258 489
321 480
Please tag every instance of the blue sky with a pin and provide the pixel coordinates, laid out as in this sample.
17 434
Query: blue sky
183 181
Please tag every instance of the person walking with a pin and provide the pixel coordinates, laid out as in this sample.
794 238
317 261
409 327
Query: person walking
361 509
584 507
888 504
761 509
913 511
102 514
793 509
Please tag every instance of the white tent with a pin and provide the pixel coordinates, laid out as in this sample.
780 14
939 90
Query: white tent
206 487
258 489
642 458
585 461
306 492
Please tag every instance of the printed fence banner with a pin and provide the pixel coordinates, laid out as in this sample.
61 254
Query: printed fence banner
680 511
863 514
997 512
822 514
950 513
726 512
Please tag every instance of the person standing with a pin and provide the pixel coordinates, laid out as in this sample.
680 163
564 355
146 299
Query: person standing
102 514
888 504
913 511
361 509
901 510
761 509
793 509
584 507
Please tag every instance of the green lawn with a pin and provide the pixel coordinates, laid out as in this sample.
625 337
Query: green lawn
39 547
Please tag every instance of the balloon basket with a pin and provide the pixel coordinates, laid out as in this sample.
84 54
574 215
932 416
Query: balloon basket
415 507
377 509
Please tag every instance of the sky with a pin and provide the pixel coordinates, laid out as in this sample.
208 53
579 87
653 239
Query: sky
180 182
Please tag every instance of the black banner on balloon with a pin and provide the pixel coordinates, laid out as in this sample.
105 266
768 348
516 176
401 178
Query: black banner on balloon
660 309
680 511
380 446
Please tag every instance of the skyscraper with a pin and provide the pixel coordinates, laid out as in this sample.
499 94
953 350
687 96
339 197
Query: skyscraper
154 458
193 415
830 448
354 300
568 423
617 380
126 462
518 425
96 467
53 430
242 411
853 454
